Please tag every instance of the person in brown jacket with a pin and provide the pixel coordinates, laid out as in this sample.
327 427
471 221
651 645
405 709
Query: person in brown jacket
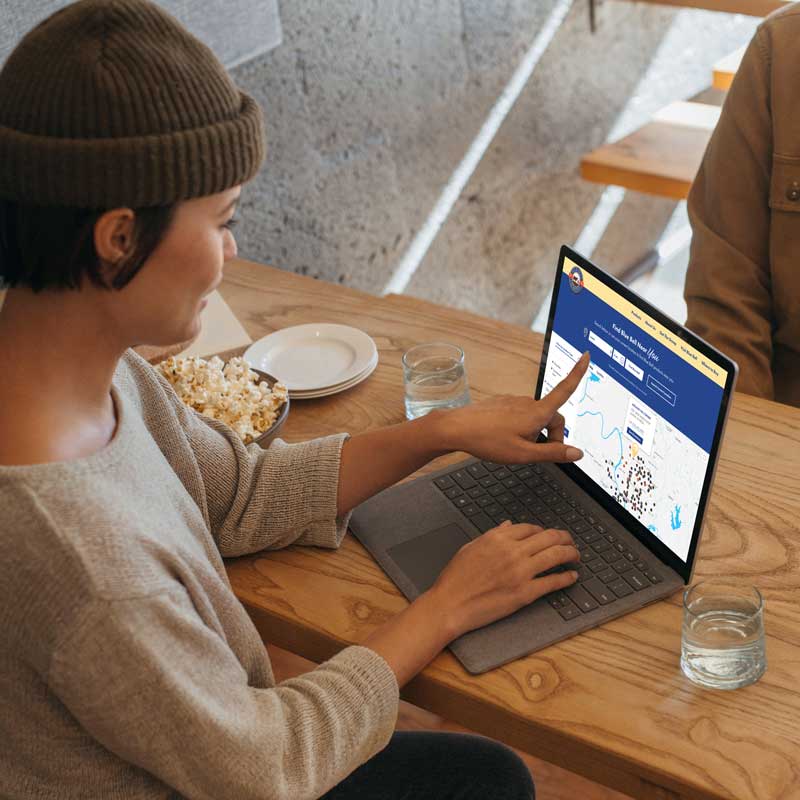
742 288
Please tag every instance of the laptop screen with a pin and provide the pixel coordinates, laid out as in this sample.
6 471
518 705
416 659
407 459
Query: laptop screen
648 413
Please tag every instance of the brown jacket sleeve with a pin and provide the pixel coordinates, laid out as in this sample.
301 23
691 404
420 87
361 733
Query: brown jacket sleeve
728 291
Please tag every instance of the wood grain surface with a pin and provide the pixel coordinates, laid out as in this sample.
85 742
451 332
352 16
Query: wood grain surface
726 68
610 704
754 8
660 158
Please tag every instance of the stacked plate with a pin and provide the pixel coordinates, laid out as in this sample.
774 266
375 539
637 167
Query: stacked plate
315 360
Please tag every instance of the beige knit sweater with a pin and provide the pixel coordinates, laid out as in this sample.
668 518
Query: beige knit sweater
128 669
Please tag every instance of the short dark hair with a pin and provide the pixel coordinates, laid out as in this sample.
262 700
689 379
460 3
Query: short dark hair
52 247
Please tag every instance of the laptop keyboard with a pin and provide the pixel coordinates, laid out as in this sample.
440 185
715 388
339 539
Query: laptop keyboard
488 493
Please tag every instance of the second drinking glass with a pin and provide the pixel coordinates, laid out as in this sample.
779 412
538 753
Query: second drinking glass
434 377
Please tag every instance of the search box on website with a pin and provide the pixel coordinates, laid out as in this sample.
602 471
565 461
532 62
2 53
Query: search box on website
600 344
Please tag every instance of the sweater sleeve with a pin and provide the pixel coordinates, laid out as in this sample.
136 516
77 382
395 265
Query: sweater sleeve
268 499
156 686
256 499
728 285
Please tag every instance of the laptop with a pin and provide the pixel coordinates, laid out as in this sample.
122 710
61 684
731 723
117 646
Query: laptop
649 415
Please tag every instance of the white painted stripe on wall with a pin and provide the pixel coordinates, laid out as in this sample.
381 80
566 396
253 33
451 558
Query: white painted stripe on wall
595 227
416 251
587 241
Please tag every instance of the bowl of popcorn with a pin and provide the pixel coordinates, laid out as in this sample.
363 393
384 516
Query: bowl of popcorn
251 402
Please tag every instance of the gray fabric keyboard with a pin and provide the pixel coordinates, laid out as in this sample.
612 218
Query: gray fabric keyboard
488 494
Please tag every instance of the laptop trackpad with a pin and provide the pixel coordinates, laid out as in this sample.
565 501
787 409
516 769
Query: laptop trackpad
423 558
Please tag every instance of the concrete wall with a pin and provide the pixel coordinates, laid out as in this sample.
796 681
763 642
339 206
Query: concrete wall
371 105
236 31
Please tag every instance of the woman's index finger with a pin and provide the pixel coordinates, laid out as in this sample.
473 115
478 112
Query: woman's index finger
564 390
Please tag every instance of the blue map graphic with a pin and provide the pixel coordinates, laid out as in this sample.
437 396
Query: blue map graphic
675 518
631 496
594 378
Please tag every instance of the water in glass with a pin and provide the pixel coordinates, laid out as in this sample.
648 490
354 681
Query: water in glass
436 381
722 642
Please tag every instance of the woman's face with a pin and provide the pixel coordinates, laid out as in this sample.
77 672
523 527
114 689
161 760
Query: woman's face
162 304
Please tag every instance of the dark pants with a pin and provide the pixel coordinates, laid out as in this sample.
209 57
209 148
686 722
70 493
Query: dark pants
422 765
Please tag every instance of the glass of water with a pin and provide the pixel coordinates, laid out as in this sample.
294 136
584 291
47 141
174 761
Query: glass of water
434 377
722 639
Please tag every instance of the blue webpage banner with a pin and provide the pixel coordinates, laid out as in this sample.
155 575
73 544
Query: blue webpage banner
667 383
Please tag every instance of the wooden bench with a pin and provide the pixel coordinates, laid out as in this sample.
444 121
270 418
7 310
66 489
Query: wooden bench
663 157
753 8
660 158
726 68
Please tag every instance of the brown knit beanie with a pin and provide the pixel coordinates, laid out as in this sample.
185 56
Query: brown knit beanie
112 103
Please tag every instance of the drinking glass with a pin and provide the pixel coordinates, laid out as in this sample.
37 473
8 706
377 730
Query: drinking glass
722 638
434 377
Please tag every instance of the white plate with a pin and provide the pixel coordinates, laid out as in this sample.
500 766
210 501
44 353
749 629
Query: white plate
302 395
315 357
341 384
335 389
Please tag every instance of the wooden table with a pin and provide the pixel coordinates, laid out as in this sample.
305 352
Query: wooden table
610 704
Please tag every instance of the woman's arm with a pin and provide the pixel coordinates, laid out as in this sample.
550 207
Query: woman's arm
258 499
503 429
372 461
251 499
157 684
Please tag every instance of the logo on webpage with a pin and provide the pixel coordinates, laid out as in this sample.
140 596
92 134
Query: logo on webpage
575 280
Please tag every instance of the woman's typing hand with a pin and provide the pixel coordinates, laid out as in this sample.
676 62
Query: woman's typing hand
496 574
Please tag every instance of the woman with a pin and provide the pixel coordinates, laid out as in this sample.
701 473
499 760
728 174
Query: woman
128 669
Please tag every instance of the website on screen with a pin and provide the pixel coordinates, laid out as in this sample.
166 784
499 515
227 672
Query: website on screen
646 411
